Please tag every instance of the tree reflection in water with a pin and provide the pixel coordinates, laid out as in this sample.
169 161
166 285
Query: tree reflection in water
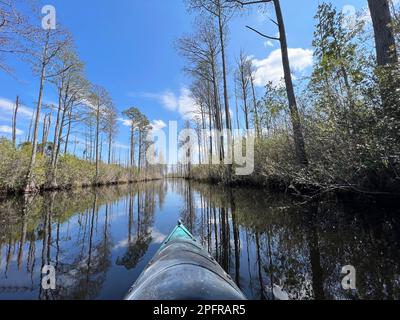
138 246
99 241
265 240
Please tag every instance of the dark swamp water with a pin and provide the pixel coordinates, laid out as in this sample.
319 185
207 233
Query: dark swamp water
99 241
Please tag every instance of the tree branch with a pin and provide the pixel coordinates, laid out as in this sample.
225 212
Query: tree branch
246 3
273 21
263 35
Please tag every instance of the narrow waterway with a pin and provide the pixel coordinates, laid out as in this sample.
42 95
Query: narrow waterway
100 240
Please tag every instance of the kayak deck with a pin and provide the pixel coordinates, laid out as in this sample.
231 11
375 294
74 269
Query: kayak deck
183 270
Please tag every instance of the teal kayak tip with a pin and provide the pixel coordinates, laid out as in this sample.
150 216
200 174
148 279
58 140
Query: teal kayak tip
180 233
183 270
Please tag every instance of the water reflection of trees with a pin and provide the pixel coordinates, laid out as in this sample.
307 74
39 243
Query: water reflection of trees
264 239
259 238
147 197
72 231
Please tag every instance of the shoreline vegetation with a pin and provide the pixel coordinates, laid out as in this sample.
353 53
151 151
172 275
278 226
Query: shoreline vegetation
72 172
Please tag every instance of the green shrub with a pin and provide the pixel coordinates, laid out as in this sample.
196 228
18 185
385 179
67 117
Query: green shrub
14 166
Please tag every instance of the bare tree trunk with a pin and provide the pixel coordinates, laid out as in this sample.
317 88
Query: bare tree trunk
237 107
294 112
109 148
224 69
101 150
28 139
43 134
49 121
52 176
14 125
244 92
140 151
210 128
384 37
68 131
97 141
220 142
30 185
224 76
255 106
86 151
46 130
75 144
57 140
203 126
132 154
90 141
199 146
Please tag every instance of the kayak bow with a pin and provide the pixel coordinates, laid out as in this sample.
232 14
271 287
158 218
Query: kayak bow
183 270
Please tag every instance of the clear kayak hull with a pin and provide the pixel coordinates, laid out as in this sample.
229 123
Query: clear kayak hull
183 270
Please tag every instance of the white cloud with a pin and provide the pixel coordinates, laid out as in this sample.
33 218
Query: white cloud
186 104
182 103
268 43
270 68
121 146
7 106
8 130
125 122
158 125
169 100
166 98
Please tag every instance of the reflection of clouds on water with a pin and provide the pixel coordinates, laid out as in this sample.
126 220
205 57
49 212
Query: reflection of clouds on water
122 244
157 236
279 241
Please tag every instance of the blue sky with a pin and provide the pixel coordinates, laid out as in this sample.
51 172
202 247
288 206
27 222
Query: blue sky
128 48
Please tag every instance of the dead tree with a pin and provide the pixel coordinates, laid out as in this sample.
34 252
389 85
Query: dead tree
53 43
14 122
243 80
298 136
